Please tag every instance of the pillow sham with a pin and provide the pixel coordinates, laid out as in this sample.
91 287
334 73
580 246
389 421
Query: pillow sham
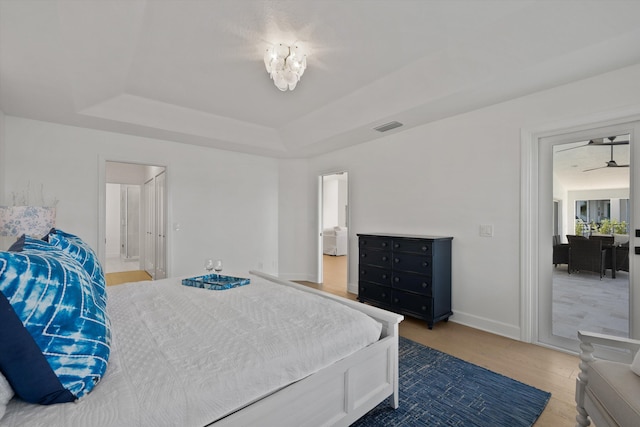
81 252
55 336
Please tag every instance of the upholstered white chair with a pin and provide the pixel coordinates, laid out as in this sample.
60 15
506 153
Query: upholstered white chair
608 392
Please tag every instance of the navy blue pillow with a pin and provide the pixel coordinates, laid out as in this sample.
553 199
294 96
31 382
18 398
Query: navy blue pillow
26 242
18 245
55 333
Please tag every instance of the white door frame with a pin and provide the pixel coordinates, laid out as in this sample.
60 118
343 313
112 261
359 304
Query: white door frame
102 201
320 228
530 223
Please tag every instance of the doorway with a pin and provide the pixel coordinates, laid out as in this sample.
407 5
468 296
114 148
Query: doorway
135 212
334 231
585 190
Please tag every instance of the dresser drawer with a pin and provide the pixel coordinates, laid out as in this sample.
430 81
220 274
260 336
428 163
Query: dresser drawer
414 246
412 282
373 274
375 257
374 242
415 304
370 292
408 262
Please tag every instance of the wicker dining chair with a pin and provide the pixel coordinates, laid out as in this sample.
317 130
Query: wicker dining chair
586 255
560 251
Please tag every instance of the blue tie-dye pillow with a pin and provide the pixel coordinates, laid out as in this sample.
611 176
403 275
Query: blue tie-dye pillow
30 244
82 252
55 333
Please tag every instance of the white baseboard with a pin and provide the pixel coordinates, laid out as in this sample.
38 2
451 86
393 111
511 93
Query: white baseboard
352 288
487 325
297 277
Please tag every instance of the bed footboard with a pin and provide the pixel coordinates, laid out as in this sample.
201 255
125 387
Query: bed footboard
336 396
339 394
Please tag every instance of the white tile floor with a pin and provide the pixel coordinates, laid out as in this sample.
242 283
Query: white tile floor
114 264
583 301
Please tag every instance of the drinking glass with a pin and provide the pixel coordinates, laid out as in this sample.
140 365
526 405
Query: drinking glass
217 266
209 265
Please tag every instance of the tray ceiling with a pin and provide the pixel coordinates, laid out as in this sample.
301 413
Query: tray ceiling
192 71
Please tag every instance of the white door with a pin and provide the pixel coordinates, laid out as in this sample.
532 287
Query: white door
160 227
130 221
150 224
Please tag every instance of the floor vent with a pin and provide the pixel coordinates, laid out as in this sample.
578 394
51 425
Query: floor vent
388 126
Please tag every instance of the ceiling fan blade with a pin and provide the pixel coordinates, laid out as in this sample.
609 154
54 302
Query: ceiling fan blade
573 148
592 169
599 141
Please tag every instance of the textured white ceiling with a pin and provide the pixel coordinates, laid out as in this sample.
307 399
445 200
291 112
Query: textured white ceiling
573 164
191 71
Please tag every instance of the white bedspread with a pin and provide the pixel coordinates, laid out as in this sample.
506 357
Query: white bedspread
183 356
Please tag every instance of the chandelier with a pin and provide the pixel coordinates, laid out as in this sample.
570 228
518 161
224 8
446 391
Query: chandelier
285 65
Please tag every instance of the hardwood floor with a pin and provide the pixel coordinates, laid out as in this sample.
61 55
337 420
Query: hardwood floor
125 277
540 367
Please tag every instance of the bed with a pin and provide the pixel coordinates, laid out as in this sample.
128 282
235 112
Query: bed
269 353
334 241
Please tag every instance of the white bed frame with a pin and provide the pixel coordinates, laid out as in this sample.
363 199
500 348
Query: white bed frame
339 394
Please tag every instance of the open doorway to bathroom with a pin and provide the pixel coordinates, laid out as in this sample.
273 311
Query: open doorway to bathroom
335 235
135 244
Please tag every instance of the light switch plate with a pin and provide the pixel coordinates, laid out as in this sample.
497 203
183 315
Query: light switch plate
486 230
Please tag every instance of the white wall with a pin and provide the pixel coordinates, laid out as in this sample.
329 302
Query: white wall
227 203
444 178
297 221
334 200
448 178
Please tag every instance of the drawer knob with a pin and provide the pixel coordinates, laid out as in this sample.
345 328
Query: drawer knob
363 272
424 264
424 308
424 284
397 279
397 260
363 255
384 244
384 295
396 245
395 300
384 276
384 258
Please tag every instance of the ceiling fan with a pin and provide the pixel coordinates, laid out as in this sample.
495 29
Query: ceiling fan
610 164
611 140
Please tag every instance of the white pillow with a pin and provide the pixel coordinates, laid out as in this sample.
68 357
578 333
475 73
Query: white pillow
635 365
6 393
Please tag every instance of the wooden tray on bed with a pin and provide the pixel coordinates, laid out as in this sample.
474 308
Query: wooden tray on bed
216 282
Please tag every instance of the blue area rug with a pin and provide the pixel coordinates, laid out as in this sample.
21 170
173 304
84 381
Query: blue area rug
437 389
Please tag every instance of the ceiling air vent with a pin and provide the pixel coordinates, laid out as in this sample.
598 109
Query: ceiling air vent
388 126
